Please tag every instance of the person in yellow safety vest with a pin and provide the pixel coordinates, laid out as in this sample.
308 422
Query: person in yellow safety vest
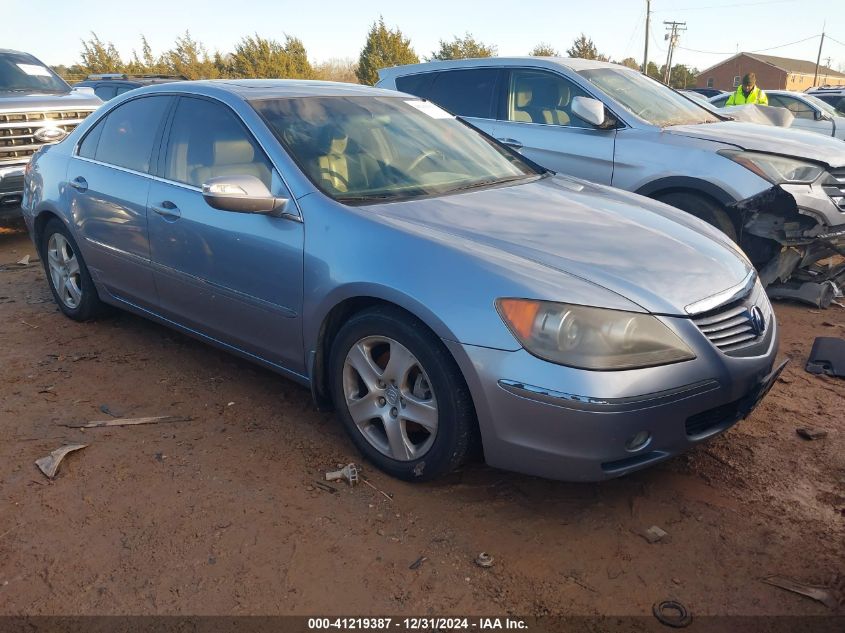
748 93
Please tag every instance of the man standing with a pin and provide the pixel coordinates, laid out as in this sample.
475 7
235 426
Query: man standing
748 93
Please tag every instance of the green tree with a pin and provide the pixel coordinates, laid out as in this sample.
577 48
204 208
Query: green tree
463 48
384 47
259 57
544 50
682 76
654 72
146 63
630 62
190 59
584 48
100 57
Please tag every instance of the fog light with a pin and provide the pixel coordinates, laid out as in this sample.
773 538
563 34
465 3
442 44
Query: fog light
638 441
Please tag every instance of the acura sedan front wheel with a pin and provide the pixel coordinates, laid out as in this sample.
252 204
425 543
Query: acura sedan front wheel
70 282
400 395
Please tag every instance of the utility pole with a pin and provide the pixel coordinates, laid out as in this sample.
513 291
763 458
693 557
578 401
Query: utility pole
819 58
647 21
673 29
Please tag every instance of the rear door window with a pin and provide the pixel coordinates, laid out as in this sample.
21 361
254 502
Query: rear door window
129 132
469 93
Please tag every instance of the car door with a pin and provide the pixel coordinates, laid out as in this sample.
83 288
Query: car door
108 183
805 115
538 121
235 277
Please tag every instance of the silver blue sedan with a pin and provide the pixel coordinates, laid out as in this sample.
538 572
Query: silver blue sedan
437 289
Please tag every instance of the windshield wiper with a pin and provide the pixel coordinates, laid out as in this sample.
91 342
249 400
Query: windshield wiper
489 182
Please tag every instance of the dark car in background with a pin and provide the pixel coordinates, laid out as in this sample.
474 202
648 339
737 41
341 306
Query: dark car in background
37 107
108 85
707 92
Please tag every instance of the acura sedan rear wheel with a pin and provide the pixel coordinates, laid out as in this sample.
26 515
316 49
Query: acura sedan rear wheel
400 395
70 282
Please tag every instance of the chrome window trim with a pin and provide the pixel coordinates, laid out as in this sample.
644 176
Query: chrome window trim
75 152
726 296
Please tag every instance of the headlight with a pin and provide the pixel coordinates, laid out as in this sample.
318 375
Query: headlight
591 338
775 169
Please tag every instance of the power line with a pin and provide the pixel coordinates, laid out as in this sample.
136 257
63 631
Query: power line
759 50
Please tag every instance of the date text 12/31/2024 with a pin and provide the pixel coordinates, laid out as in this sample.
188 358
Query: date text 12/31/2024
415 624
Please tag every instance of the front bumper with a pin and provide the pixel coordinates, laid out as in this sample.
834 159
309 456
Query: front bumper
564 423
11 190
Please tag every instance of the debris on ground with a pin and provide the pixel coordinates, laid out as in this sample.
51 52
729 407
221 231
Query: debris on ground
417 563
672 613
131 421
820 594
827 357
23 261
348 473
325 487
386 495
50 465
484 560
811 434
104 408
654 534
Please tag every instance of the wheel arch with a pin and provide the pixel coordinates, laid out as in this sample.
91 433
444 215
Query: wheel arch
42 217
686 184
338 311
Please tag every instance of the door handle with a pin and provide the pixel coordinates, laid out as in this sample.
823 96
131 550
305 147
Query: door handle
79 183
511 142
168 210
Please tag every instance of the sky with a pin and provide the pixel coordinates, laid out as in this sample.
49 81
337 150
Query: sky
716 29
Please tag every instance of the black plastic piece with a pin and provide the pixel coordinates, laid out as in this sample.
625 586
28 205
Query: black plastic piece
827 357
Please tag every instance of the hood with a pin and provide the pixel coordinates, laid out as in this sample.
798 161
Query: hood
18 101
774 140
654 255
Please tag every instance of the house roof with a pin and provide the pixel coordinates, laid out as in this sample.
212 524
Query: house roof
785 64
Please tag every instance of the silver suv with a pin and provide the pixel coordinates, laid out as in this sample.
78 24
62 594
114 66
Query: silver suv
37 107
763 186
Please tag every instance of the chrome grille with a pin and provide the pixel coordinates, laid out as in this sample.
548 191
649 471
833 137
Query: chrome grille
18 129
834 186
732 327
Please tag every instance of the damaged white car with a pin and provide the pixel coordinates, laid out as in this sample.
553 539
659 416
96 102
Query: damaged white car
779 193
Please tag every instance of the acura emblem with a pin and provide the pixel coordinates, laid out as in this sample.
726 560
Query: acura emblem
49 134
757 320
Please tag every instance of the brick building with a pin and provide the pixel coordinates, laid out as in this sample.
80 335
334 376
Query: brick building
773 73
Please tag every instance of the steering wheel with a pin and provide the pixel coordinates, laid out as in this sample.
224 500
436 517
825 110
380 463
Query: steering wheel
425 154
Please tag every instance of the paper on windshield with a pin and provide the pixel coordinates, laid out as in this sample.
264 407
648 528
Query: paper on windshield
34 70
427 107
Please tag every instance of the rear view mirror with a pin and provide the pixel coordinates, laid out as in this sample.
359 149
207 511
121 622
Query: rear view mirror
589 110
243 194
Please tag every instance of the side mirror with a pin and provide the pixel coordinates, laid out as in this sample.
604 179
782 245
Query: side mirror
818 115
242 194
590 110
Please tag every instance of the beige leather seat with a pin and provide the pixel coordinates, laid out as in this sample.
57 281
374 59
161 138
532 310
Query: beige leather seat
538 99
231 158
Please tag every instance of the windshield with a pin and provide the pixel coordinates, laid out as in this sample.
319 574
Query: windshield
646 98
823 106
365 149
24 73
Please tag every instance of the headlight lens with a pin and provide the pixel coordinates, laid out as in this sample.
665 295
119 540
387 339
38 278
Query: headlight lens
775 169
591 338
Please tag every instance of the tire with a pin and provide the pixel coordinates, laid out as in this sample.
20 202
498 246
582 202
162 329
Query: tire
703 208
423 444
70 282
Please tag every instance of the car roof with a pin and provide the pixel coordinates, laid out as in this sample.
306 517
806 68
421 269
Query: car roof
571 63
256 89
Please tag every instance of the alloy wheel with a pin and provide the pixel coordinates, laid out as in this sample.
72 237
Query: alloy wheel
64 270
390 398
